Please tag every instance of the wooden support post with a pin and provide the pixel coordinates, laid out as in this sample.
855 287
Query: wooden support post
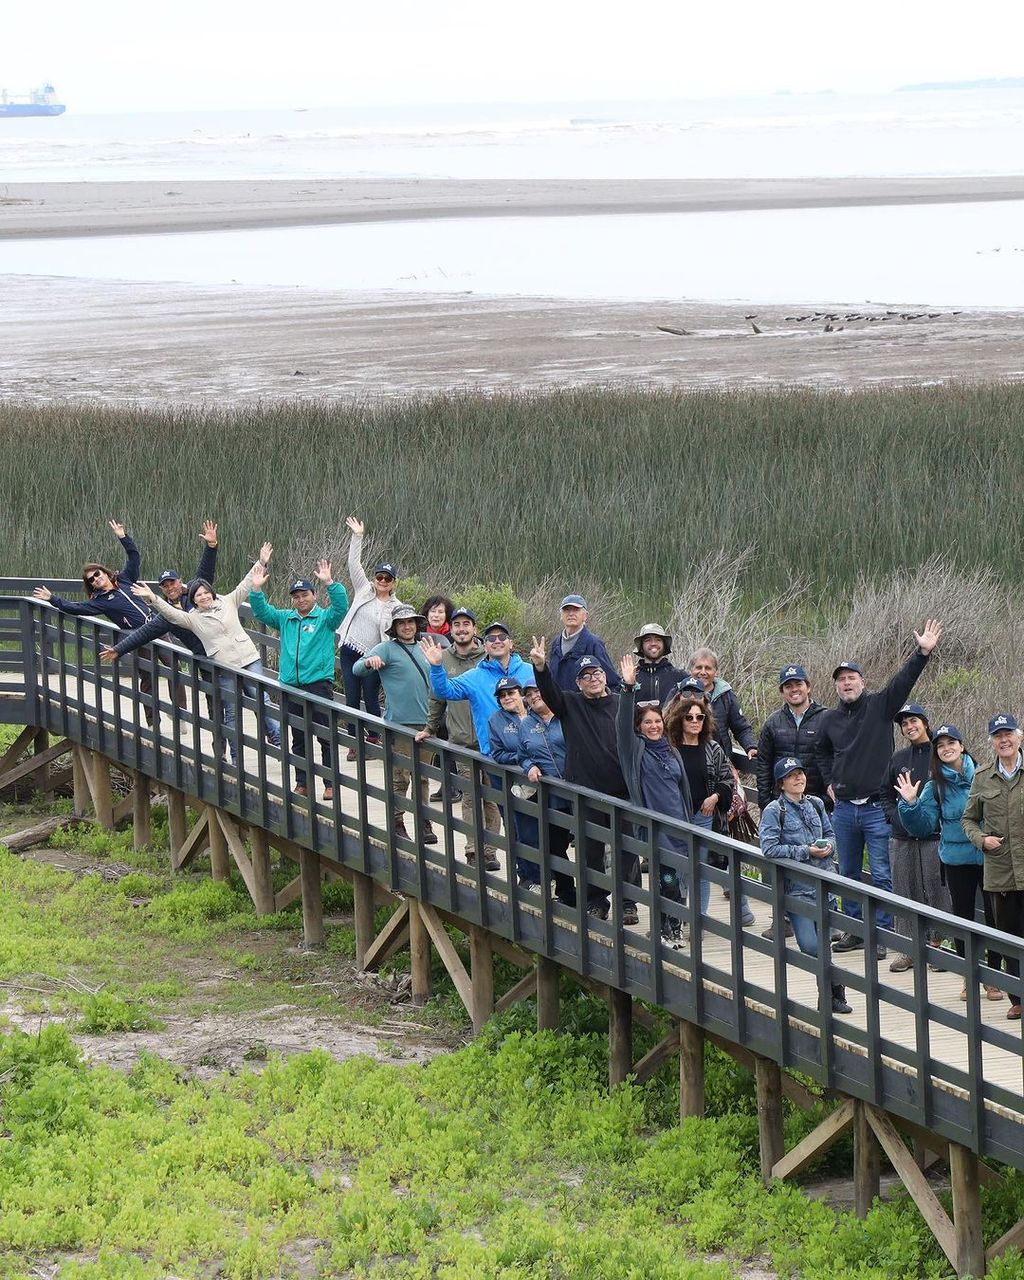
481 968
220 863
963 1177
620 1036
817 1142
141 829
262 877
41 743
391 938
656 1057
79 764
914 1180
102 796
521 990
768 1077
312 901
177 824
363 910
691 1070
548 1012
419 950
866 1163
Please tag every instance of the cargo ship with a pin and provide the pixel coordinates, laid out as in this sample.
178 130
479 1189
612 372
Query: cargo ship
40 102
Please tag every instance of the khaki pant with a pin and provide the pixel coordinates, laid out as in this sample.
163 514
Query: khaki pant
492 815
403 778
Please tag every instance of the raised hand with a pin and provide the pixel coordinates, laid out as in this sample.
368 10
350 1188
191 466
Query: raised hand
432 651
117 527
539 653
627 669
143 591
210 532
929 637
259 575
323 572
43 593
355 525
108 654
907 789
266 551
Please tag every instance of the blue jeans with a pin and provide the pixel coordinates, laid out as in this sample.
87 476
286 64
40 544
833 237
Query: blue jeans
226 681
707 822
365 689
857 825
805 931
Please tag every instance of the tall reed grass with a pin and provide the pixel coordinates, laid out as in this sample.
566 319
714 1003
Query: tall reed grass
632 488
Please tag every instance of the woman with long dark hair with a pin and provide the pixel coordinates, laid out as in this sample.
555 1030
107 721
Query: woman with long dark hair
942 800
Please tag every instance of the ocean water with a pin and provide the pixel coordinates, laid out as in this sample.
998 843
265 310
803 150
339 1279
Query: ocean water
959 255
784 135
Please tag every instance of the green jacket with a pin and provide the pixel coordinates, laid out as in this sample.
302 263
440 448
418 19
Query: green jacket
307 644
995 807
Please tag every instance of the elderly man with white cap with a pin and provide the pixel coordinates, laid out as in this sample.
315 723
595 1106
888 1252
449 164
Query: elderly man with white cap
576 641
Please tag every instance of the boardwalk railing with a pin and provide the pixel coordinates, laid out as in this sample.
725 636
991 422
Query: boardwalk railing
911 1048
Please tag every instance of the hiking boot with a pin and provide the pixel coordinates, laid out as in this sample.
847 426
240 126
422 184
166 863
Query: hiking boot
901 964
1013 1013
328 793
399 828
598 909
839 1001
671 931
350 754
848 942
529 884
429 836
769 933
300 790
992 993
438 794
630 915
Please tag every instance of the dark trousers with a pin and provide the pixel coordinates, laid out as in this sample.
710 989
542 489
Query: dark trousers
559 839
594 856
963 880
320 689
359 689
1008 910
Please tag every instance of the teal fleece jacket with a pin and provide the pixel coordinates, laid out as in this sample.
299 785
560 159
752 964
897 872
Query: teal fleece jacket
405 678
307 644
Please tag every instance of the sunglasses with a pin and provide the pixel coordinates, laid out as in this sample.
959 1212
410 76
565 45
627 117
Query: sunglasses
496 638
653 703
696 717
96 573
383 577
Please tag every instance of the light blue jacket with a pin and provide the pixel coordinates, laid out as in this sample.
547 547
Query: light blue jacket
787 832
477 687
404 677
920 817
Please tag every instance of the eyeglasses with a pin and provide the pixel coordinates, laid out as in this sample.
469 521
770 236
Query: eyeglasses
695 716
592 674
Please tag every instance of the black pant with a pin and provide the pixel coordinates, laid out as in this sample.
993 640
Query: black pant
594 854
320 689
963 880
1008 909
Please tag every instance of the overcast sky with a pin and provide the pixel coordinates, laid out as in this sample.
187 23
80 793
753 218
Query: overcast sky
116 55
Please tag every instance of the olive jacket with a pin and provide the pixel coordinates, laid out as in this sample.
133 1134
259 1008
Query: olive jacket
995 807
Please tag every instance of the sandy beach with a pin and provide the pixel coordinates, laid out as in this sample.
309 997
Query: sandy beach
67 339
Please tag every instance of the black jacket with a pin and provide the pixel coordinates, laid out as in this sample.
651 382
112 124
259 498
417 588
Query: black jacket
855 739
781 737
917 759
656 681
564 668
591 742
119 605
157 626
729 719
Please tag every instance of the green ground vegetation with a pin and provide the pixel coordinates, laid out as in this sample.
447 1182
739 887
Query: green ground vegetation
632 488
507 1157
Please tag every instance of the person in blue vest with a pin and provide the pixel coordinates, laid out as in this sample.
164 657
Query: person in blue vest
307 653
576 641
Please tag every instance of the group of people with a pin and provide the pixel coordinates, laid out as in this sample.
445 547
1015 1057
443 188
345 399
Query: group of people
937 827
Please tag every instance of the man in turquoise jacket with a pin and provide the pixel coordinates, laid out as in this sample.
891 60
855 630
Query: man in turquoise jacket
403 673
307 653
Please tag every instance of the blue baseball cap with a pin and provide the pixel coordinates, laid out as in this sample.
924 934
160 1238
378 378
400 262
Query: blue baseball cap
911 709
387 567
786 766
948 731
1001 722
507 684
301 584
793 672
587 663
573 602
169 575
691 685
497 625
463 612
847 666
